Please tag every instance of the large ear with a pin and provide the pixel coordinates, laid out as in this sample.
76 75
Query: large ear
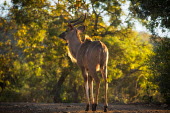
70 26
81 28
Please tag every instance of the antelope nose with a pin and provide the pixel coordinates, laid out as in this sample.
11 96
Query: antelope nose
62 36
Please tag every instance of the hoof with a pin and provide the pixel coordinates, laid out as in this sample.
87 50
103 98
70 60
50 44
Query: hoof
94 107
105 108
87 107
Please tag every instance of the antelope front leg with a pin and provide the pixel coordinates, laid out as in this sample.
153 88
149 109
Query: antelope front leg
87 95
86 84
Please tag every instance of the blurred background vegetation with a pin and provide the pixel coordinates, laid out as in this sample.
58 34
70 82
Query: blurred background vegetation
35 67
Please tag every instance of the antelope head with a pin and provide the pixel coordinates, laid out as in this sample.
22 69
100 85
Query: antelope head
71 30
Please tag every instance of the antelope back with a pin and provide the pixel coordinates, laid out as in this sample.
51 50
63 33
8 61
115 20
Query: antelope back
93 55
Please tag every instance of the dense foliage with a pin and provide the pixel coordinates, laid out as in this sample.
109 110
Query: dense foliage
161 65
157 13
154 11
35 67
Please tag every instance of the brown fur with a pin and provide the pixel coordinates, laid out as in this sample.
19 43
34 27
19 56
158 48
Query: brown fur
91 56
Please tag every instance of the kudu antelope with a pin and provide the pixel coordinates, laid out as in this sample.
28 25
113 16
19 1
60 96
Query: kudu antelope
91 56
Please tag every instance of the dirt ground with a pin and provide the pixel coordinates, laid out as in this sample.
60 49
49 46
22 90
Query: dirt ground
79 107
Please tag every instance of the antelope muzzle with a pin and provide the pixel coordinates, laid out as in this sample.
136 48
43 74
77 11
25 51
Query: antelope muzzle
62 35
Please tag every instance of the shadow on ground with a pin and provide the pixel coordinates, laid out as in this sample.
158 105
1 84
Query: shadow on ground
79 107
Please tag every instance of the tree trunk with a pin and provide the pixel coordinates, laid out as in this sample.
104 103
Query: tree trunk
57 88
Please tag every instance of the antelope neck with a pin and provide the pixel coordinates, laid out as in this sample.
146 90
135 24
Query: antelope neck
74 43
